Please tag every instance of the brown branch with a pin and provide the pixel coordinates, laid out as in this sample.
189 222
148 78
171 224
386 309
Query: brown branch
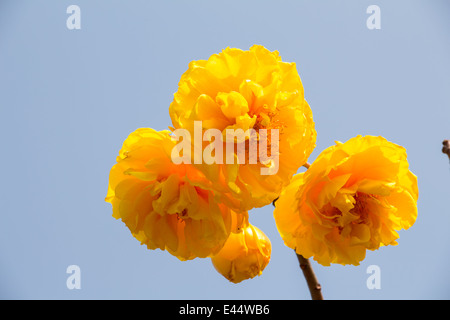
313 285
446 148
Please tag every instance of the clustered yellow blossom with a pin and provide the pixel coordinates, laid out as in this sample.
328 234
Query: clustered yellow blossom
252 89
166 206
353 198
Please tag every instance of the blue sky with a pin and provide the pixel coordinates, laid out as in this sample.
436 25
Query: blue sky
68 99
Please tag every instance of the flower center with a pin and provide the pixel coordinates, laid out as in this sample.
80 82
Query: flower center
361 208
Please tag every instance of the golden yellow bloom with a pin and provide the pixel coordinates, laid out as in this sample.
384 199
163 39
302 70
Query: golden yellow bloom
165 206
353 198
245 254
247 90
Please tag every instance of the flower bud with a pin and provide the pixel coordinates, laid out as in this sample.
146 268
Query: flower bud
245 254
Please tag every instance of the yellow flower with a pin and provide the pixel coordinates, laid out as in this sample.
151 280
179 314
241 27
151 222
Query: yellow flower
165 206
353 198
247 90
245 254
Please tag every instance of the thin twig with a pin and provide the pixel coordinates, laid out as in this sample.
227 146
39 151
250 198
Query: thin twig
313 285
446 148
